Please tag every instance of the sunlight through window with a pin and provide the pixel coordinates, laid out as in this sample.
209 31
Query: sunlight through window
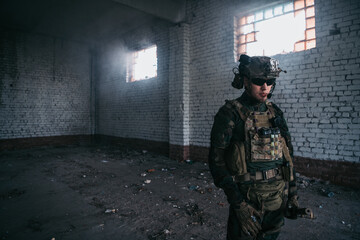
282 29
142 64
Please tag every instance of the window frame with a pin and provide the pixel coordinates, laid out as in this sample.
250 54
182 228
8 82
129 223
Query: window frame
131 62
248 19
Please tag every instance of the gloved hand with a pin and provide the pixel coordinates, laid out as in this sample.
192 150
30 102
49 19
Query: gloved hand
248 218
291 207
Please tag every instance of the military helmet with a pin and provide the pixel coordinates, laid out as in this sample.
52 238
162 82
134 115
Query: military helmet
255 67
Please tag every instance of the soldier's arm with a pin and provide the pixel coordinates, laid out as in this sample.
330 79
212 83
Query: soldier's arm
292 184
286 134
221 134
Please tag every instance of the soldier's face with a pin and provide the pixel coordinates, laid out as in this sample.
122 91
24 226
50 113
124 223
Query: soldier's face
259 93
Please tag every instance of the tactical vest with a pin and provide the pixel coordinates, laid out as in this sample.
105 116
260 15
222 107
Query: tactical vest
263 143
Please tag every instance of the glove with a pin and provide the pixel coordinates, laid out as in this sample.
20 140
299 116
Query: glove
291 207
247 216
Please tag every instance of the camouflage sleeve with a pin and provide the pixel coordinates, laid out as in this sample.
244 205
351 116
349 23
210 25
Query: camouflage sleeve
222 128
284 130
292 184
221 134
286 134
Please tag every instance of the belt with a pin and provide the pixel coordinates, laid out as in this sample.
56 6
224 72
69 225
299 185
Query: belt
271 174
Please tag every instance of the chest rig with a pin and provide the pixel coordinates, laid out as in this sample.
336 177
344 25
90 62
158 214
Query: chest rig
263 143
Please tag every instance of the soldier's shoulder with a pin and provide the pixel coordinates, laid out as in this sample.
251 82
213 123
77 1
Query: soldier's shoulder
229 108
234 103
276 108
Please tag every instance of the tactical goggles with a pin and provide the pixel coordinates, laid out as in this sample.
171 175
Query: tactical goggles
260 82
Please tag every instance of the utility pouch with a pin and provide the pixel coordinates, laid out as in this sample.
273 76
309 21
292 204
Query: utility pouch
265 144
235 158
268 196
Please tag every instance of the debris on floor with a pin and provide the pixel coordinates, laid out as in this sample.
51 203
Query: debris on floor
117 191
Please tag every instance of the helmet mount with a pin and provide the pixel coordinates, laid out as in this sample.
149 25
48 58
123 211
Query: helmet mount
256 67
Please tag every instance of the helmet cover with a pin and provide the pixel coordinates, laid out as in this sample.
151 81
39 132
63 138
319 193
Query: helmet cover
259 67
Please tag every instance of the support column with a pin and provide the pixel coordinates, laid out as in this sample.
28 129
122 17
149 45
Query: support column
179 96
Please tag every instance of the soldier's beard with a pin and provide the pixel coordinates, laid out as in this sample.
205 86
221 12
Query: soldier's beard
257 96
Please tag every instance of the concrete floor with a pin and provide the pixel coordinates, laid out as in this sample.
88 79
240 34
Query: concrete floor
112 192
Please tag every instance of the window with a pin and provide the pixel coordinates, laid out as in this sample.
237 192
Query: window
142 64
289 27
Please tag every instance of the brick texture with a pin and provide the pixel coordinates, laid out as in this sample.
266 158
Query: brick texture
339 172
212 59
139 144
135 110
179 152
179 96
44 86
319 95
24 143
47 85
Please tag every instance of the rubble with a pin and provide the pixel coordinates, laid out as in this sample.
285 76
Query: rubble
161 199
161 235
110 211
193 187
327 192
195 213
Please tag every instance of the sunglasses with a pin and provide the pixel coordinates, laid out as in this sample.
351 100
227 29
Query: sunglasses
260 82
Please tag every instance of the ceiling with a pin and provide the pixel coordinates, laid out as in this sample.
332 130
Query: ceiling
91 21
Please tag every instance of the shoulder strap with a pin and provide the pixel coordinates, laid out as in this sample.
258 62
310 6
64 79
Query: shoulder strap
271 109
243 111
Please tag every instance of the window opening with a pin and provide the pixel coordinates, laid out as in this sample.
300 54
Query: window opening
284 28
142 64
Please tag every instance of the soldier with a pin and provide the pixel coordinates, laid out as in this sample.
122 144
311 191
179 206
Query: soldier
251 154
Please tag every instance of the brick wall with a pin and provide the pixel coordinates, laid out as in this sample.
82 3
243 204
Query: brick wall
212 60
44 86
319 94
135 110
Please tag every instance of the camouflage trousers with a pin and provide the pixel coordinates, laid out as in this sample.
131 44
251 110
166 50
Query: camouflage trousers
271 225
